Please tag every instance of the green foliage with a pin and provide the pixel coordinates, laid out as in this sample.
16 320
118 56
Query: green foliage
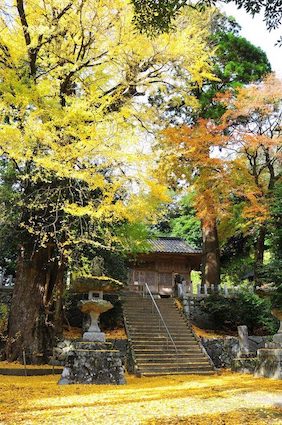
236 62
181 221
236 259
187 225
188 228
133 237
246 308
236 271
239 60
272 272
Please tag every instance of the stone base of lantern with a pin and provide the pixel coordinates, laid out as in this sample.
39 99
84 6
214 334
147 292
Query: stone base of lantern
94 336
93 363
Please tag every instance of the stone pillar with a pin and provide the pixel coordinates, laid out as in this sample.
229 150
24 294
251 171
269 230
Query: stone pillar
184 288
186 306
243 341
277 338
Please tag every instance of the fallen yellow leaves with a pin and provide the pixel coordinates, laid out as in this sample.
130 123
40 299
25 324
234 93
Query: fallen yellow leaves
229 399
18 365
206 333
116 334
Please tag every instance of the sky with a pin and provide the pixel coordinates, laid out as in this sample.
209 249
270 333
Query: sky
254 30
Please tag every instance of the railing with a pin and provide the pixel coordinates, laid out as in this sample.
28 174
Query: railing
191 290
146 289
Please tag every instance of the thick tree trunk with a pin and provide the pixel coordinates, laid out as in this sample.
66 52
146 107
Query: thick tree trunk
211 255
59 292
30 326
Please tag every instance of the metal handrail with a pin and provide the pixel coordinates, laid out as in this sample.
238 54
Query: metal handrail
162 319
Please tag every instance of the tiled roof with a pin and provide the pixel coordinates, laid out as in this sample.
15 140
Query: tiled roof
172 245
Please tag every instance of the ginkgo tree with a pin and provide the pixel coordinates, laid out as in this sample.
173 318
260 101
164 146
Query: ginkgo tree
71 77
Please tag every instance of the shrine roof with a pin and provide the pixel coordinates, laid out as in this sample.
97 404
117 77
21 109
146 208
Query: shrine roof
172 245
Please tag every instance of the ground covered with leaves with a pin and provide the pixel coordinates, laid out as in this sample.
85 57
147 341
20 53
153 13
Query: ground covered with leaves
229 399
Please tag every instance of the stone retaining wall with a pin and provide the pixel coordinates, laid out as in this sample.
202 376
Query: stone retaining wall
224 350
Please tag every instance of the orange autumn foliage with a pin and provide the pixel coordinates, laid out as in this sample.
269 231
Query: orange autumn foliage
192 156
238 157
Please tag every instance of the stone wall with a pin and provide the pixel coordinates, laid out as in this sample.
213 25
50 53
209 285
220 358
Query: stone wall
224 350
92 363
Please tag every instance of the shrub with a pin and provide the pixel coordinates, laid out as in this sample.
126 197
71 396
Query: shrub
245 308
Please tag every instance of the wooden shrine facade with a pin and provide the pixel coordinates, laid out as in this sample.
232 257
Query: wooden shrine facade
169 261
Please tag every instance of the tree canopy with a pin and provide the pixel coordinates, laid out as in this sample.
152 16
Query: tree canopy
158 16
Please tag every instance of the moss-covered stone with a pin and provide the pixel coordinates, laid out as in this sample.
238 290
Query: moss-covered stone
83 284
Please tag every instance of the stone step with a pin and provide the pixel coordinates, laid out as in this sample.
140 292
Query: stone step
168 355
166 370
152 351
162 337
149 313
155 364
165 348
164 354
185 372
155 323
163 334
154 313
157 330
152 348
147 329
170 365
162 341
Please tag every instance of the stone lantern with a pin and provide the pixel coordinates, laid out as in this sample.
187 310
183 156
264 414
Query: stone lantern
92 360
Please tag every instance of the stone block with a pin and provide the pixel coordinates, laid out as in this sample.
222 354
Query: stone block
269 363
244 365
93 363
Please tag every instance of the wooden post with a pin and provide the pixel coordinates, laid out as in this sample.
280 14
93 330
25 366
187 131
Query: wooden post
205 289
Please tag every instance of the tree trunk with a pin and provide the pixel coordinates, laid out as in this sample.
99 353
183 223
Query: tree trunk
30 326
211 255
59 313
259 251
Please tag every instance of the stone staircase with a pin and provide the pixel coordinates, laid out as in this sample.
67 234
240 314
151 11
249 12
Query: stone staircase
153 352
